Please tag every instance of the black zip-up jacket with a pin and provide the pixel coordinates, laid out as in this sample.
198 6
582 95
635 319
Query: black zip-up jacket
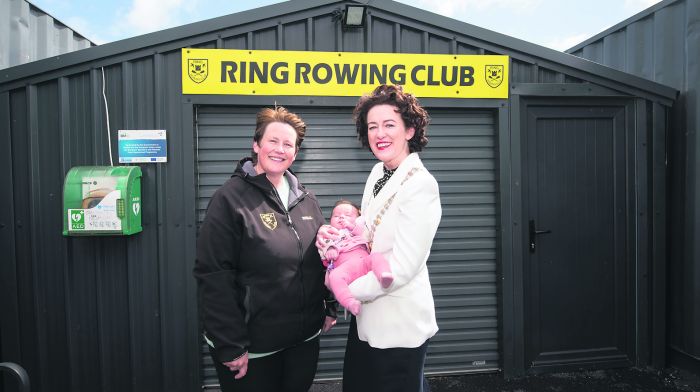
259 275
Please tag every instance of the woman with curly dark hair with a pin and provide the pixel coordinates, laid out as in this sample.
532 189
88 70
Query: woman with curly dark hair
388 339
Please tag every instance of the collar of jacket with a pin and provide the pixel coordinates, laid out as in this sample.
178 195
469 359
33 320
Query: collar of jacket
375 203
246 170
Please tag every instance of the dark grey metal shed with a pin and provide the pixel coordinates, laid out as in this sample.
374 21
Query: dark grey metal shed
31 34
577 150
662 44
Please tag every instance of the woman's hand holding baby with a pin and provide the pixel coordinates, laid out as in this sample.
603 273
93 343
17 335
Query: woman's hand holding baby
325 234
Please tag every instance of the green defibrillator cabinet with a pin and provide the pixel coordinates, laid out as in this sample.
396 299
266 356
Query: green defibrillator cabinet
102 200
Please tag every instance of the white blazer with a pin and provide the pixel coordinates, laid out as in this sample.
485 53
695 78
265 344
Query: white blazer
403 315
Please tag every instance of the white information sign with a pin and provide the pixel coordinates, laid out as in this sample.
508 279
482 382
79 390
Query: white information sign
142 145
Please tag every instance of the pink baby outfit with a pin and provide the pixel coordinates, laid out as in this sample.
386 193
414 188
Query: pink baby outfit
353 261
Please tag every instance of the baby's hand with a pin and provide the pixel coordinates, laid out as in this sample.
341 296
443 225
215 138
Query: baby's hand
349 225
331 254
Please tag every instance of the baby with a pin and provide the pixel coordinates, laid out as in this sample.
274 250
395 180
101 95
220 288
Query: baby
348 258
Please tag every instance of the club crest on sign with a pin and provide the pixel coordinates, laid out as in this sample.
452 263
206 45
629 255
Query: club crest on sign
269 220
198 69
494 75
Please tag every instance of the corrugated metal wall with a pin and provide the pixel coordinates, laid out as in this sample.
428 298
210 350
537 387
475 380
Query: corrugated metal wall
119 313
663 44
27 33
97 313
462 157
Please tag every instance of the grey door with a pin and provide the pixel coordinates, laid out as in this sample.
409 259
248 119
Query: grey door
577 265
461 155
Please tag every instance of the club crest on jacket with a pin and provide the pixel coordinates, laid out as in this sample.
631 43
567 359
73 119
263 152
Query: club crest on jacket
269 220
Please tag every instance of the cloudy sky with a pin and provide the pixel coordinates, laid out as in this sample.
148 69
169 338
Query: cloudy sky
558 24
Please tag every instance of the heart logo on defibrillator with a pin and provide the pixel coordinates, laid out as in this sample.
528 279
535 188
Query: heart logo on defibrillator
136 207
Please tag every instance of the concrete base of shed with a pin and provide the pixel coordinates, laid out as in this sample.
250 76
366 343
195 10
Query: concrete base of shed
609 380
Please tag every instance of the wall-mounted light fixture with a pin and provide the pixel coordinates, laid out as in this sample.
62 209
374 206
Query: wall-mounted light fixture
354 16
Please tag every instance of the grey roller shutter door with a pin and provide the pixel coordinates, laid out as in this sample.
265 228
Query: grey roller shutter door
461 155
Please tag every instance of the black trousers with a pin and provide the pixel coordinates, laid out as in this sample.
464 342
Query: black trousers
369 369
290 370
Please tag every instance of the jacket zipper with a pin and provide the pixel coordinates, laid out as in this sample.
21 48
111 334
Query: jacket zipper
291 225
299 249
289 220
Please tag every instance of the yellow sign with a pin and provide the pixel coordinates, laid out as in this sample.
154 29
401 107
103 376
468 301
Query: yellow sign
278 72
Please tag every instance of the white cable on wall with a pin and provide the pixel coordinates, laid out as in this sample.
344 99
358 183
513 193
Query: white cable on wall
109 133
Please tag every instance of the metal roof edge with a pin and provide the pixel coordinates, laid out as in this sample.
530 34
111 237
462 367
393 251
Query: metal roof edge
529 49
157 38
31 4
641 15
493 39
617 77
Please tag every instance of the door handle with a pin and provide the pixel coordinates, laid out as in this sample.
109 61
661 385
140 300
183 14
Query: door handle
533 235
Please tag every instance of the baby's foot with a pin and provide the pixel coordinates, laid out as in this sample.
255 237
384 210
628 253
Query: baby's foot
354 307
386 279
